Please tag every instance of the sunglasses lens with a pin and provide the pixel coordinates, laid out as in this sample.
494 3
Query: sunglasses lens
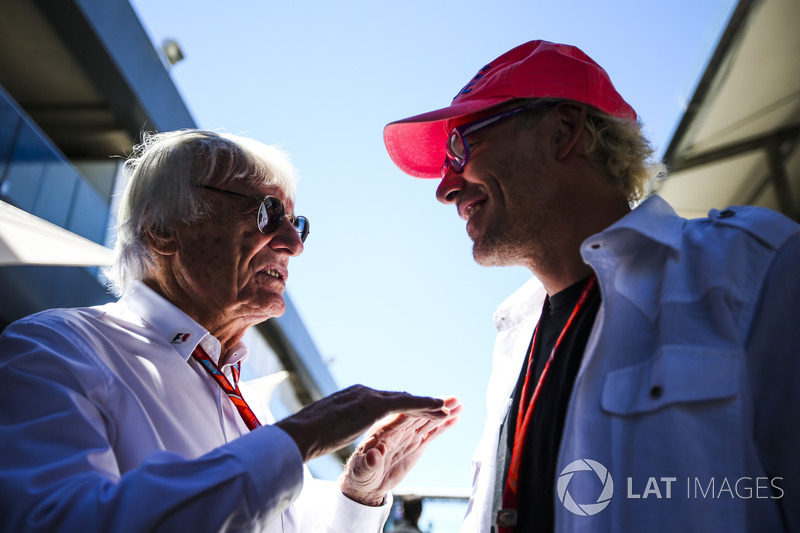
270 215
445 167
456 151
302 227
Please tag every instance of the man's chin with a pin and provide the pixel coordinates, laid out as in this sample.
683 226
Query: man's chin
484 257
277 309
271 307
492 254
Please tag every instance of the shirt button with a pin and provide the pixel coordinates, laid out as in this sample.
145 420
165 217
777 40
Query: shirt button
596 246
727 213
656 392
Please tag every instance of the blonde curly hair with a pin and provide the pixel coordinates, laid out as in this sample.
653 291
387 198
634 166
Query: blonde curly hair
624 153
618 147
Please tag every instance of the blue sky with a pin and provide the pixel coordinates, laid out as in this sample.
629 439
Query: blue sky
386 285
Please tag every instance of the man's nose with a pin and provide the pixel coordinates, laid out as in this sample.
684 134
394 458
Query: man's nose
448 190
286 239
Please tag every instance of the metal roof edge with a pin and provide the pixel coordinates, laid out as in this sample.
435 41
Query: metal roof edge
708 80
131 74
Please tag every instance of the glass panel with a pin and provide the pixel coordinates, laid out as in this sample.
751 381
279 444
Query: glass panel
100 174
38 179
9 123
89 213
57 187
24 171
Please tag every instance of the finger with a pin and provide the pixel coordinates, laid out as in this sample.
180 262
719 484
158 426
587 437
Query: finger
430 430
450 423
449 400
408 439
452 404
424 425
407 429
402 427
390 424
368 443
392 429
418 405
434 432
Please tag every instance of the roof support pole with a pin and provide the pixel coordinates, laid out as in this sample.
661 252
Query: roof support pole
780 179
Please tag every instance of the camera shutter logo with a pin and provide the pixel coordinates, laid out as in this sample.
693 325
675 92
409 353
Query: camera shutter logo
585 509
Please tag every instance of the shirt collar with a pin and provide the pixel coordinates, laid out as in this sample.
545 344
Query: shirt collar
524 302
175 326
654 219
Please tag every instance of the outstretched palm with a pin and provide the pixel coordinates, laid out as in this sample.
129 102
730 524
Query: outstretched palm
389 450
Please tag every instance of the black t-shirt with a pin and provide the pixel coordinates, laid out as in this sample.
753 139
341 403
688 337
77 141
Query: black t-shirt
537 479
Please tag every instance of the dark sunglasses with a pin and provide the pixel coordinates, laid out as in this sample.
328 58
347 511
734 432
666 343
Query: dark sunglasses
271 213
457 147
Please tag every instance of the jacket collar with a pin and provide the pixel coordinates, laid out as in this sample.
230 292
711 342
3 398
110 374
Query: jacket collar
653 220
653 226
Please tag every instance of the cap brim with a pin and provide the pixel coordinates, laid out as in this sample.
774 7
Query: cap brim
416 144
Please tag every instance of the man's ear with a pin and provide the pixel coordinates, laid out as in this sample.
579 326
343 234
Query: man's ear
569 129
161 240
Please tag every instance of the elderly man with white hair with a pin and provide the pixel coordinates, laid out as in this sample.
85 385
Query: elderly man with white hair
130 416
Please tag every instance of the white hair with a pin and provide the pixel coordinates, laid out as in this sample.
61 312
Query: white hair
163 172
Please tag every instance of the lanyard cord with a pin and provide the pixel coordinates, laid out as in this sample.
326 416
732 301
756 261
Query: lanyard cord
507 515
232 391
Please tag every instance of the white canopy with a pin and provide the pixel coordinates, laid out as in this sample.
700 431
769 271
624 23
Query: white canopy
739 141
26 239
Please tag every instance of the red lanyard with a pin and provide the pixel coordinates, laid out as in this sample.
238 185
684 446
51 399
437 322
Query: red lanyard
233 392
507 515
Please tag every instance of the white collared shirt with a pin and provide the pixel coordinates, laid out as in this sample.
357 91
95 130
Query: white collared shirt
108 424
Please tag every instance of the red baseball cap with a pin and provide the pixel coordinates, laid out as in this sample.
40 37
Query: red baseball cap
536 69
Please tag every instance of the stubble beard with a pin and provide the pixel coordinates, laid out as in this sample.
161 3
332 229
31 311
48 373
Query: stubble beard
496 247
517 241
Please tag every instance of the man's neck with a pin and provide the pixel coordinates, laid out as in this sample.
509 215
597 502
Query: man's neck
561 265
564 278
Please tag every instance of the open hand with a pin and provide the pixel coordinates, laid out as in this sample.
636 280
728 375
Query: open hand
337 420
389 450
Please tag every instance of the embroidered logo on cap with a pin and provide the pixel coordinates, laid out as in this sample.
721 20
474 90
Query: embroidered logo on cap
468 87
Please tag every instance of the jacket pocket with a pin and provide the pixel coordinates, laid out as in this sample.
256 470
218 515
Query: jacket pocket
676 374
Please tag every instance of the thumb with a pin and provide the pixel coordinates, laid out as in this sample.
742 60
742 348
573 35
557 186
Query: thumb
374 457
365 469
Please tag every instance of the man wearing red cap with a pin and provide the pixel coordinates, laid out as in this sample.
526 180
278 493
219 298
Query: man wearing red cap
641 381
